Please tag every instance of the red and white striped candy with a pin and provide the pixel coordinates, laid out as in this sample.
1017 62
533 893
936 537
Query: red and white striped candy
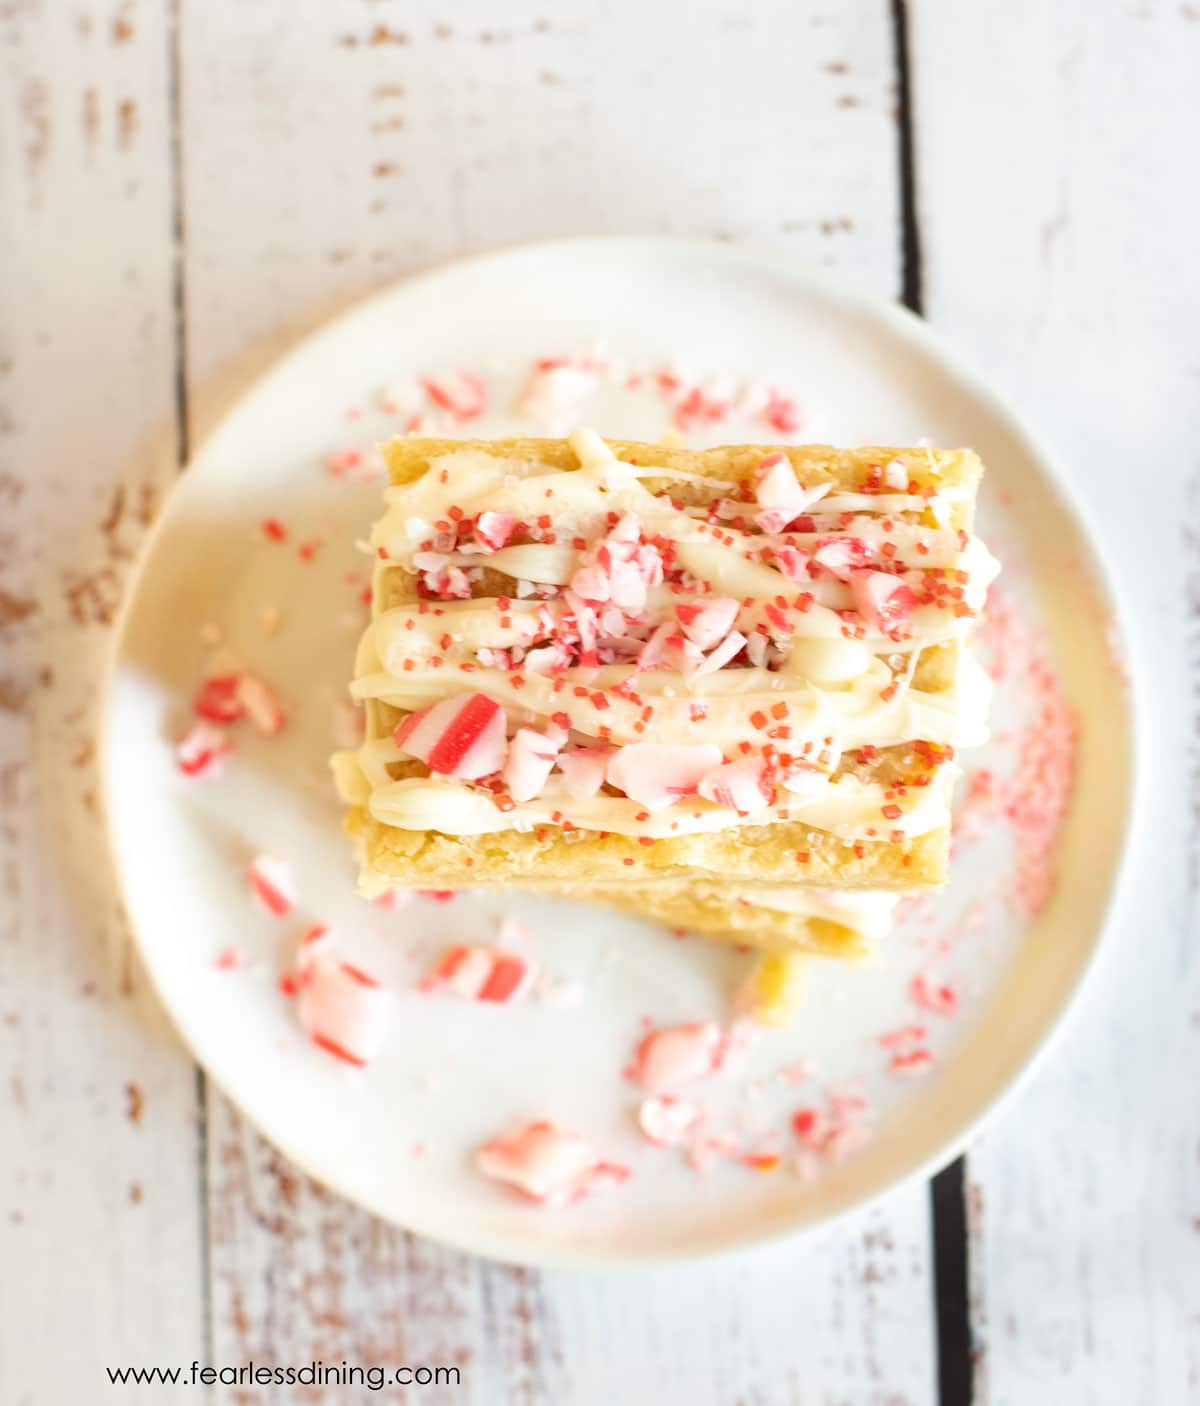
657 774
627 577
781 412
260 704
781 498
803 780
493 529
931 995
841 556
343 1009
620 569
679 1054
315 941
462 393
883 600
556 390
811 1126
461 737
591 583
583 771
271 885
729 648
668 1121
548 1164
740 785
355 464
547 659
218 699
481 974
446 582
530 760
203 751
895 476
707 622
792 562
668 649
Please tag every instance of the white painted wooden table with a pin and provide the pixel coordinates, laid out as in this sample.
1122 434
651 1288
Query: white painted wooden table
188 185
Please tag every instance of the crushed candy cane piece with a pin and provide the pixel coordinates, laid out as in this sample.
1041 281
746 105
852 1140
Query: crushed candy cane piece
342 1009
740 785
203 751
781 412
931 995
729 648
917 1061
548 1164
218 699
556 390
530 760
260 704
668 1121
841 556
676 1055
493 529
391 900
895 476
462 393
583 770
230 959
707 622
482 974
658 774
780 495
883 600
461 736
271 885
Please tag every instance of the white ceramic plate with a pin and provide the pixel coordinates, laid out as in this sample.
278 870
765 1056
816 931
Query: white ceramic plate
398 1136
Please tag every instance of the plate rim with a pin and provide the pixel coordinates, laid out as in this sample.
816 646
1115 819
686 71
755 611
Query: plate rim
766 257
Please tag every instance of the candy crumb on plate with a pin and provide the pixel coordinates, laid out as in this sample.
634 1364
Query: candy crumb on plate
549 1164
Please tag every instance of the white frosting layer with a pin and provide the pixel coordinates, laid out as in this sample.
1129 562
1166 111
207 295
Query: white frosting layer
868 913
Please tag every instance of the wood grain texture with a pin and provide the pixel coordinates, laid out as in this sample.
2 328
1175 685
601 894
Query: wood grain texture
99 1206
300 1276
1060 248
327 149
331 147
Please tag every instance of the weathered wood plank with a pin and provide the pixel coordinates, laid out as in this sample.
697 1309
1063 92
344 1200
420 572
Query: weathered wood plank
99 1204
1060 235
358 143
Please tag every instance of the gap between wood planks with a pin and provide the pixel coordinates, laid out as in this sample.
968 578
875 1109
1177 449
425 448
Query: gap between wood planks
178 225
947 1190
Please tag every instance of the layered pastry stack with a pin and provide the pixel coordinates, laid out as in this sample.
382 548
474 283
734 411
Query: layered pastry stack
724 687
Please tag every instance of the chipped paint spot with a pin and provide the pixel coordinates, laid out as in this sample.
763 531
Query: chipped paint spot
13 696
135 1102
127 123
35 113
14 608
91 118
